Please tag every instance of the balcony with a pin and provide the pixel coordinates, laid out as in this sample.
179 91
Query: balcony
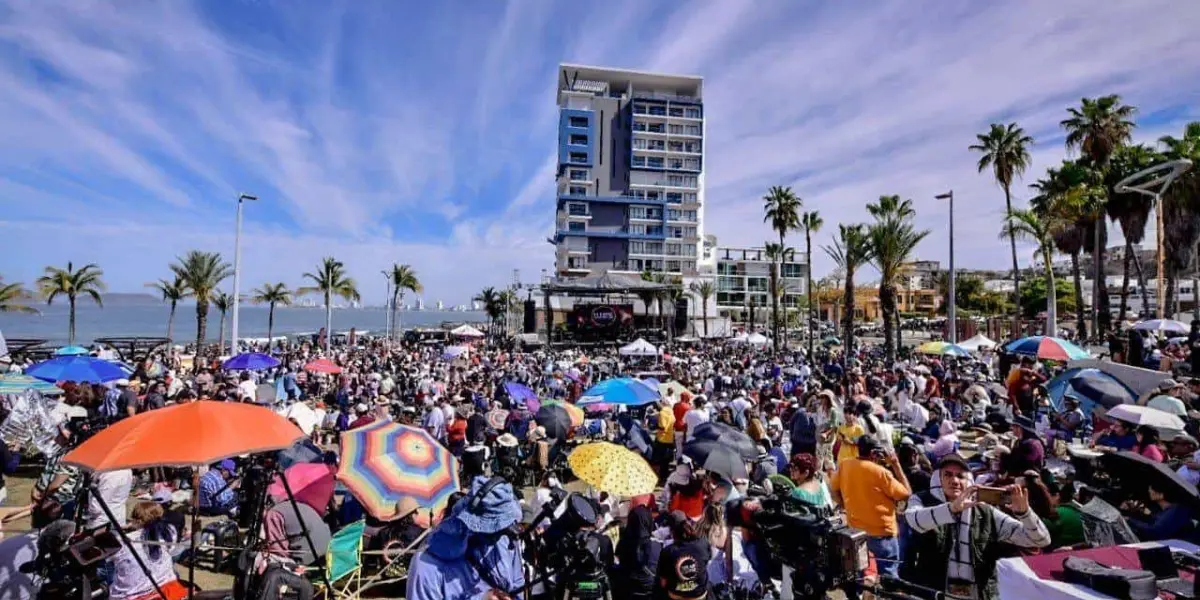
610 199
667 97
615 232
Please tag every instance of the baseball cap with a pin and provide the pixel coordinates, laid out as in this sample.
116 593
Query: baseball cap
953 459
227 465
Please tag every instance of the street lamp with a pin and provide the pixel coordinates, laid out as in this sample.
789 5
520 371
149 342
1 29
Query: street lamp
387 303
237 272
951 313
1153 182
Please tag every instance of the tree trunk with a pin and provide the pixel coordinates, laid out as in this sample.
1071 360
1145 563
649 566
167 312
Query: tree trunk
171 322
775 305
704 312
899 329
328 324
1051 299
1169 296
887 301
1097 280
1125 281
397 298
1141 278
221 338
1016 270
270 325
71 321
848 315
201 330
808 289
1080 321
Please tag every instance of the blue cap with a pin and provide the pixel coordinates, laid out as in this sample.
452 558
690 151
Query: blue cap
227 465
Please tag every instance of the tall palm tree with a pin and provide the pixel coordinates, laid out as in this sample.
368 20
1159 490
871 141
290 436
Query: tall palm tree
329 280
892 208
223 303
493 305
202 272
777 254
1028 225
272 294
1005 148
1181 202
13 297
1097 128
1130 210
781 208
172 290
404 278
1061 195
649 297
811 222
851 250
72 283
703 290
892 241
669 295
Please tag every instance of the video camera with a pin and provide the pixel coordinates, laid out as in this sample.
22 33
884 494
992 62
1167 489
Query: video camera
571 550
68 562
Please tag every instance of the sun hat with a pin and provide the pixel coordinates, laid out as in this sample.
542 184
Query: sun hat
507 440
488 508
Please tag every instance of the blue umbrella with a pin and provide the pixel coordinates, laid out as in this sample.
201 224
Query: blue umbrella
521 393
1091 387
622 390
250 361
82 369
71 351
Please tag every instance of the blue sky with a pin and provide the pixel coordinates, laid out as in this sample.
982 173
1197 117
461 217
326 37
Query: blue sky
388 131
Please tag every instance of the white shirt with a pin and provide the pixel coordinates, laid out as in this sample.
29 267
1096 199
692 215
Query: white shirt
693 418
114 488
248 389
915 415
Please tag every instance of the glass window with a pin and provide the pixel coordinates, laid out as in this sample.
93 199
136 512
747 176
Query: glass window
658 110
578 157
578 122
657 145
639 126
636 247
578 139
675 146
673 266
639 109
577 209
579 175
652 195
656 128
675 163
674 197
639 143
675 111
576 226
692 112
676 129
577 190
655 162
639 161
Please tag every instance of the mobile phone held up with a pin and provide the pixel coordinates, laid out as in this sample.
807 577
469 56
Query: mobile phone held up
993 495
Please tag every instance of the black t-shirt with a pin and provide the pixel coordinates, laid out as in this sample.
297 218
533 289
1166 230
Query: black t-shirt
683 570
476 426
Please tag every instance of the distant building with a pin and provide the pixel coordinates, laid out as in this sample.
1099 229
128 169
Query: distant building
744 279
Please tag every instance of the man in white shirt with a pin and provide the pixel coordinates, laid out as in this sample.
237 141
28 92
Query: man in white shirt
697 415
114 488
247 389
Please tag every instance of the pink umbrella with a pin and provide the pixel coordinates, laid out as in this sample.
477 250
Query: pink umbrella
311 483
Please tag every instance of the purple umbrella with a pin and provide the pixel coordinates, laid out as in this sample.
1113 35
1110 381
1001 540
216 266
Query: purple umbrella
521 393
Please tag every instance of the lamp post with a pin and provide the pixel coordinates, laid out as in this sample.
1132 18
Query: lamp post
951 313
237 273
387 303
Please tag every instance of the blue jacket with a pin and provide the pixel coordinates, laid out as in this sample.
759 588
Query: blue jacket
1173 523
442 570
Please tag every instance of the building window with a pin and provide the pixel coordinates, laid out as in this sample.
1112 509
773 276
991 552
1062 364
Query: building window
639 143
652 195
640 109
656 145
692 164
673 266
654 162
640 126
675 111
793 270
674 197
580 122
656 128
577 190
675 163
675 146
681 181
578 139
579 157
692 113
638 161
577 209
689 197
579 175
576 226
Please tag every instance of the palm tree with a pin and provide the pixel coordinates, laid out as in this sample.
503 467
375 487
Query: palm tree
1005 148
223 303
851 250
649 297
892 240
13 297
811 222
781 208
72 283
493 305
172 290
703 290
1061 195
1097 128
891 207
329 280
202 273
1181 202
777 254
272 294
403 277
669 294
1130 210
1028 225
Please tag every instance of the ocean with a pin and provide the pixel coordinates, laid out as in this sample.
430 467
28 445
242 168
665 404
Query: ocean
150 320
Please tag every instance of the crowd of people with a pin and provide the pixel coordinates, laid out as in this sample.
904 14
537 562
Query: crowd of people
948 465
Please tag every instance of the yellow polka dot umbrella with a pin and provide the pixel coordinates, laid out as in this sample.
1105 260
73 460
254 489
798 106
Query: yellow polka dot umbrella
613 469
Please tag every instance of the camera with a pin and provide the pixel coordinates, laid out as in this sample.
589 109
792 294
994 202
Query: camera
572 551
68 563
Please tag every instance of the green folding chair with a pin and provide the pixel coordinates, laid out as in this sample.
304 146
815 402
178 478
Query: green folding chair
343 561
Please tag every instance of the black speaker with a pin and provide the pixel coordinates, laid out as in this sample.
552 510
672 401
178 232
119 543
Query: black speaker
530 316
681 315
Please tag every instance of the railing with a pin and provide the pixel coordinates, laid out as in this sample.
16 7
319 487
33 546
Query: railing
667 97
620 199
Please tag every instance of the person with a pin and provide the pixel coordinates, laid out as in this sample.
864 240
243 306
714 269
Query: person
869 493
915 464
664 438
802 431
1170 519
679 411
809 487
146 524
1068 423
114 488
56 487
1030 452
637 556
695 417
472 554
435 423
456 432
1193 342
1066 524
284 524
217 496
476 457
1147 443
363 416
247 389
1167 398
682 570
847 435
957 539
1119 436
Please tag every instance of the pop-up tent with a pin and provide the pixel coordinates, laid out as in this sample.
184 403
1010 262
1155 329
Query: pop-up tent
639 347
979 342
466 331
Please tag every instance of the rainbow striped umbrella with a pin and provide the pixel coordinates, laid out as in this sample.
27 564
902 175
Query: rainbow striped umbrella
393 469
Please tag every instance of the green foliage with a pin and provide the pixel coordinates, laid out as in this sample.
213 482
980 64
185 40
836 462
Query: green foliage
1033 298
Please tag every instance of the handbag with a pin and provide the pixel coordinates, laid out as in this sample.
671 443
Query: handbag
1133 584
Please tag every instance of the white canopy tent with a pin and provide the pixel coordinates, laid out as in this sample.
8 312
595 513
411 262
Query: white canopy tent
979 342
639 347
466 331
757 339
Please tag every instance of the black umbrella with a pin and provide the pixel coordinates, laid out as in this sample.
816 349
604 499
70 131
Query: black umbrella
1101 388
636 438
728 436
555 419
1132 467
711 455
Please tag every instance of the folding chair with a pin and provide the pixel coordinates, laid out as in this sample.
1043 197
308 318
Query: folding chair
343 561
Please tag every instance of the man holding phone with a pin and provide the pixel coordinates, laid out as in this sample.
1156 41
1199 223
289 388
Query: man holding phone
958 531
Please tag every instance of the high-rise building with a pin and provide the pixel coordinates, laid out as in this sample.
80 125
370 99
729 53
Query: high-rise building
630 180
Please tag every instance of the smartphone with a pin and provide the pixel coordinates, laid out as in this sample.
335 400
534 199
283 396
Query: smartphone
993 495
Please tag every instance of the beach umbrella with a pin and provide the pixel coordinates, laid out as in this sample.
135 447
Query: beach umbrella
71 351
622 390
185 435
711 455
1162 326
1133 467
574 412
82 369
555 419
1144 415
496 418
613 469
16 383
727 436
323 365
1047 348
521 393
303 451
942 349
831 340
250 361
311 483
393 469
1101 388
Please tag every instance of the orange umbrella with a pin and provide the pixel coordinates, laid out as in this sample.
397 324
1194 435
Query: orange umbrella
196 433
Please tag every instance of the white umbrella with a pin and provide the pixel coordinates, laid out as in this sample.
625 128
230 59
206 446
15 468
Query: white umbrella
978 342
466 331
639 347
1144 415
1167 325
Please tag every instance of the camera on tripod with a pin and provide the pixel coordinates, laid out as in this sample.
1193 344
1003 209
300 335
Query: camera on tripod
572 551
68 563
